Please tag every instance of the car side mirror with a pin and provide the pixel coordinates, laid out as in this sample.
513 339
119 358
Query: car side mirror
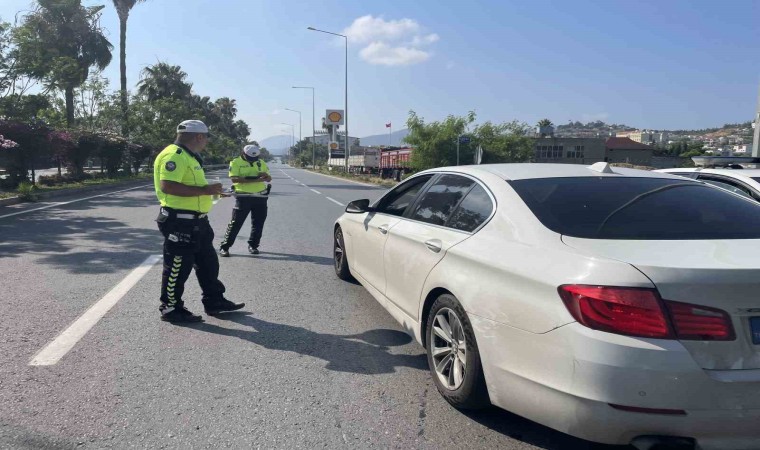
359 207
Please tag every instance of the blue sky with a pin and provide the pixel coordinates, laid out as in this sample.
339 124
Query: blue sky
649 64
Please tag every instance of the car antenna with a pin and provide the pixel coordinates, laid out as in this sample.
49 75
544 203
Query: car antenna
601 167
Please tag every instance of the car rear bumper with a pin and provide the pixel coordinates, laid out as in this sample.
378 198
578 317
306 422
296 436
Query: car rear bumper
567 379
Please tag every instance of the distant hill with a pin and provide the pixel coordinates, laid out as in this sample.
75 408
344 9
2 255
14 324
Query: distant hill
382 139
277 145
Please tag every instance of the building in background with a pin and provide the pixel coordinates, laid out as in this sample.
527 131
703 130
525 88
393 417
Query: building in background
645 136
625 150
590 150
323 138
568 150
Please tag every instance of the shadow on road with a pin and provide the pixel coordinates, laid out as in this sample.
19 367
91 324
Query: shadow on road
365 353
271 256
80 243
533 433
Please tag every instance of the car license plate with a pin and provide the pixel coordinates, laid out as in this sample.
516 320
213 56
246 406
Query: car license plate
754 323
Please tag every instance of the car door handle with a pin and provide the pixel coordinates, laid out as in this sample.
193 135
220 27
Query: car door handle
383 228
434 245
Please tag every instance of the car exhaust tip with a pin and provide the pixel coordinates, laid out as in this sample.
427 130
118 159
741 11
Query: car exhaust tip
664 443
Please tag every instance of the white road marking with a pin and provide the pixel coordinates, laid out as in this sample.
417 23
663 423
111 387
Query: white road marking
316 191
55 350
335 201
72 201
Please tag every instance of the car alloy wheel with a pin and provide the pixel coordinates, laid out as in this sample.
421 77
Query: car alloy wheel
449 348
453 355
339 256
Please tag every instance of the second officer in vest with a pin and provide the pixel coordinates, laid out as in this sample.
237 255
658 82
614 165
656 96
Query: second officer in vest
250 178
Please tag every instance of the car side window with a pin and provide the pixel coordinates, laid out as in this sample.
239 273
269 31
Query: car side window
438 203
731 187
397 200
475 209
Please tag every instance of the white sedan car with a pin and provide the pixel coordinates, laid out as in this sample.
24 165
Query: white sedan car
745 182
616 305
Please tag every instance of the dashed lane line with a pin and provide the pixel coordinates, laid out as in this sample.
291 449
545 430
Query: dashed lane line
316 191
335 201
55 350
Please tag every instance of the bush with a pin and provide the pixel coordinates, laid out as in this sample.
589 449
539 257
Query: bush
52 180
27 191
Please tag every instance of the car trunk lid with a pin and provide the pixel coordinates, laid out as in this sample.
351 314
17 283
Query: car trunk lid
723 274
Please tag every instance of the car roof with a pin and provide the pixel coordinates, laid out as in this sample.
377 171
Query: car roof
524 171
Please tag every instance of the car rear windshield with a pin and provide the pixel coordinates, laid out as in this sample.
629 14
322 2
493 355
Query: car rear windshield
639 208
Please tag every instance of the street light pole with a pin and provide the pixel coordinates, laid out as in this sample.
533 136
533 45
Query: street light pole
345 107
313 129
300 135
292 132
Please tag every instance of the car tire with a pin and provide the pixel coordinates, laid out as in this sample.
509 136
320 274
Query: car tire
339 256
467 390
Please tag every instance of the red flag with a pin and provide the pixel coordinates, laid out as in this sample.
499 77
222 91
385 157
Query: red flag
388 125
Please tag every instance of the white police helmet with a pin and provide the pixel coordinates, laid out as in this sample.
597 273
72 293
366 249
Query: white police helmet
252 151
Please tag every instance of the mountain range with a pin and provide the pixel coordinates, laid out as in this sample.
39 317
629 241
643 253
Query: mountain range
279 144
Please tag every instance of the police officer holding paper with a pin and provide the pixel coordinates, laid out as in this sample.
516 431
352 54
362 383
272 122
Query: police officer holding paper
186 198
250 177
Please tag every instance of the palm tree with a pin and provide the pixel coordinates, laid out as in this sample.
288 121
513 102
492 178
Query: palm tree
122 9
163 80
59 42
545 123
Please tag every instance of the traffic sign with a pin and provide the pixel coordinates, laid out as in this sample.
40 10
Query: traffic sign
464 139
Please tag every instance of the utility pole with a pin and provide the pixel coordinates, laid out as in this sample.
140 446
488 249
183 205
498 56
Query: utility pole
756 138
313 128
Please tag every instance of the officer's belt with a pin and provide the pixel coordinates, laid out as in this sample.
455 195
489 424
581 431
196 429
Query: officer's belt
183 214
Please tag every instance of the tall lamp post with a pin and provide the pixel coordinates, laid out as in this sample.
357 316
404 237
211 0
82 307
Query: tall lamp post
292 132
313 132
345 106
299 126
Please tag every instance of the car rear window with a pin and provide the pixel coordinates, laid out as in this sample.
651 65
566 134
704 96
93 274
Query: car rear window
639 208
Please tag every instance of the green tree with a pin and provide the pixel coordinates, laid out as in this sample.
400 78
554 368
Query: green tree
59 42
545 123
435 143
123 7
163 80
508 142
154 123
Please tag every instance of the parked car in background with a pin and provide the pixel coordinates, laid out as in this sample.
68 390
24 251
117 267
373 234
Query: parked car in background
617 305
744 182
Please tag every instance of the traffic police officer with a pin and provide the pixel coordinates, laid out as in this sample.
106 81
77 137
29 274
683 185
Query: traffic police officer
186 198
249 175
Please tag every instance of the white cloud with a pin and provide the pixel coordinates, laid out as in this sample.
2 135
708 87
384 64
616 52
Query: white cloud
425 40
384 54
368 29
392 42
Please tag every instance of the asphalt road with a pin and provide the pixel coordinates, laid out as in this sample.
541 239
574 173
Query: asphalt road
312 362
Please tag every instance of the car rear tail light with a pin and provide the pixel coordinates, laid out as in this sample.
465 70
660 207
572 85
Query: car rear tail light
640 312
628 311
700 323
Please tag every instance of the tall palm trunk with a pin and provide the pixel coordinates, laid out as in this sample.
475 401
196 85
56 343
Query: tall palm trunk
69 92
123 67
